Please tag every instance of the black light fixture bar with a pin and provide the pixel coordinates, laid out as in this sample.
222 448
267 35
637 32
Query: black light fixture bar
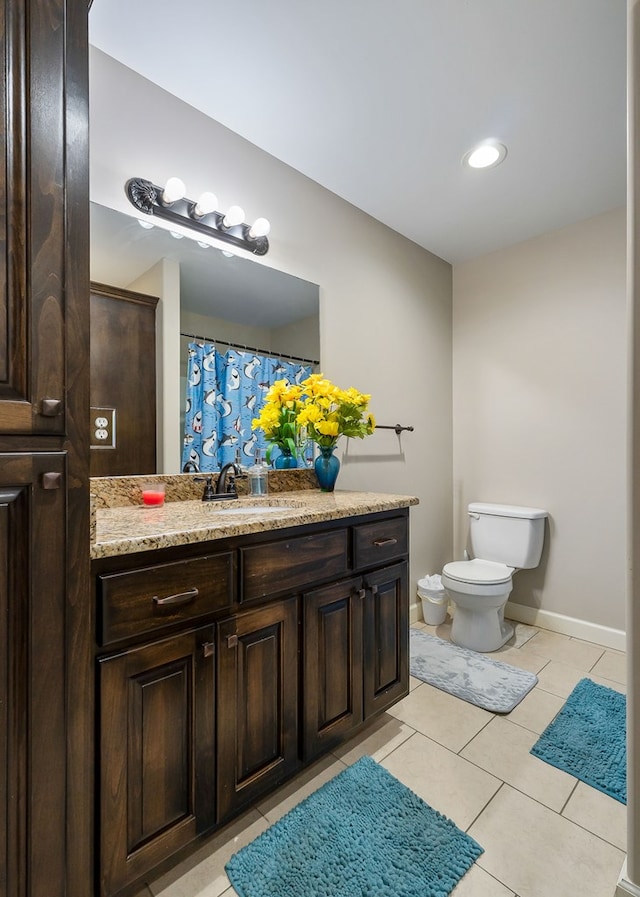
147 198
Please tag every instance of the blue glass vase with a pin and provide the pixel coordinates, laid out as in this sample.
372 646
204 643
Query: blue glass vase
327 467
286 460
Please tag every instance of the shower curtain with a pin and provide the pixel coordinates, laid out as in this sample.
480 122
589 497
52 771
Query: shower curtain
224 393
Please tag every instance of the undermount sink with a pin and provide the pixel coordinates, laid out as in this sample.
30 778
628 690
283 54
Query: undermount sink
256 510
254 506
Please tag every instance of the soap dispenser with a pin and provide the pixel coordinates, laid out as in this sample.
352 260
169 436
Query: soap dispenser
258 474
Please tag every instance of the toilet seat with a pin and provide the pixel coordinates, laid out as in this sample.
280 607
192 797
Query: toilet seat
478 571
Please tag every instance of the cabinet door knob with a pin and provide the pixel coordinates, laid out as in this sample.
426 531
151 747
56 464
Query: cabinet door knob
208 649
50 407
173 600
232 641
361 593
374 590
51 480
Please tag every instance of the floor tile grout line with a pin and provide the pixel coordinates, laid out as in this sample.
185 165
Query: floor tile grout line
486 805
570 795
585 829
473 737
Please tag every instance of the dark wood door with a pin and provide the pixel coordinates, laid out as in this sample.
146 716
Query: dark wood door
123 382
44 562
332 676
386 638
257 703
156 748
32 699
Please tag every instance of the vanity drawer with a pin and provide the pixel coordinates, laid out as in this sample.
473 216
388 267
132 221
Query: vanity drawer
149 598
292 564
376 543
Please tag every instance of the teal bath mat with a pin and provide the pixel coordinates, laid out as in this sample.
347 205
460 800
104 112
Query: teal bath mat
363 834
474 677
587 738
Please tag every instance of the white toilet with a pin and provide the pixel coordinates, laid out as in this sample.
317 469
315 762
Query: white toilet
503 539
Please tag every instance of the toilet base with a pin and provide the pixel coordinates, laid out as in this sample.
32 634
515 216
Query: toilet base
482 631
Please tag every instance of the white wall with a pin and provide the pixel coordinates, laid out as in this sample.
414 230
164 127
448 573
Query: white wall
385 303
163 281
539 362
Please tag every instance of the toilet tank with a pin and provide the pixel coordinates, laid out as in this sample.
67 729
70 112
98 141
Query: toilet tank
507 534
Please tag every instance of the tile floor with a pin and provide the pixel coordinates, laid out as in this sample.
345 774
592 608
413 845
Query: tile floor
544 833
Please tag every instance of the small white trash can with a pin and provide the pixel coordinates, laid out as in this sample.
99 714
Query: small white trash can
434 599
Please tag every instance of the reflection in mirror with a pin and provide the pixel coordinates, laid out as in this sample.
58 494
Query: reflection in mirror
204 293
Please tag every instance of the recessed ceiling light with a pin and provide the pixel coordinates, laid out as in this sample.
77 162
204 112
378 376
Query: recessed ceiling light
487 154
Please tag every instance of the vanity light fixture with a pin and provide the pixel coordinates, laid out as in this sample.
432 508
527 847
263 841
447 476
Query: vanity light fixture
487 154
171 204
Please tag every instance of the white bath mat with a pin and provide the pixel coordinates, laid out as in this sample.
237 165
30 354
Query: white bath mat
474 677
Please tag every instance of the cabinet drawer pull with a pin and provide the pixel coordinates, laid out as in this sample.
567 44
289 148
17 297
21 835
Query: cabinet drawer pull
232 641
374 590
208 649
174 600
381 543
361 593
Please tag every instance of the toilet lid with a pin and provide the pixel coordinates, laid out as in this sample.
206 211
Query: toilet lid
478 570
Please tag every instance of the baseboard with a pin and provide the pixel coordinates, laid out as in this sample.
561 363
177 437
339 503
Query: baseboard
588 632
626 888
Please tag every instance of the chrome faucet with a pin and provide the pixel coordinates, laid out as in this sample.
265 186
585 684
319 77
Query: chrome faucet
221 485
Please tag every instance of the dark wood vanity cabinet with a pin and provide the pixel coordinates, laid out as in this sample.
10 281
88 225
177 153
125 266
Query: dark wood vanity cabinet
290 643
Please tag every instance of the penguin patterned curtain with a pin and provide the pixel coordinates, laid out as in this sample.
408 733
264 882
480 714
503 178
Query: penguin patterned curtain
224 393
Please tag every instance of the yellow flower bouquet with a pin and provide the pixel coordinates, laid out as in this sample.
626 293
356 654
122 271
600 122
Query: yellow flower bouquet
317 410
328 412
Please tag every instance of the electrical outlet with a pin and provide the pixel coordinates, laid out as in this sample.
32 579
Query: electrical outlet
103 428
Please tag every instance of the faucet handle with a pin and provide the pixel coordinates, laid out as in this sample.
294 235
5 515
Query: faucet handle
208 494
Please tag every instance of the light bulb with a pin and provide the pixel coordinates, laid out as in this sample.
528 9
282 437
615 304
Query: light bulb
174 190
234 216
146 224
227 254
259 228
206 203
204 245
176 235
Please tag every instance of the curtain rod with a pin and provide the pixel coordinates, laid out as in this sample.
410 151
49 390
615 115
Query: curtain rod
221 342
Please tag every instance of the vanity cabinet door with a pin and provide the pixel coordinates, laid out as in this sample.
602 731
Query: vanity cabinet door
355 654
257 718
332 674
32 700
156 753
386 638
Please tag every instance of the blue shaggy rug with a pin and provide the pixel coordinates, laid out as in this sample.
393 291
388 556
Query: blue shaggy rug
474 677
363 834
587 738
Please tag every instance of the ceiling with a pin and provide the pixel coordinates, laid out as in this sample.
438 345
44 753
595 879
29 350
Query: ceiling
378 100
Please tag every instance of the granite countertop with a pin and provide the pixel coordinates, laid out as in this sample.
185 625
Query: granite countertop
129 529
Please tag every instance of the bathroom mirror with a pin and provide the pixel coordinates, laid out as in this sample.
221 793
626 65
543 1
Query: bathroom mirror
230 299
